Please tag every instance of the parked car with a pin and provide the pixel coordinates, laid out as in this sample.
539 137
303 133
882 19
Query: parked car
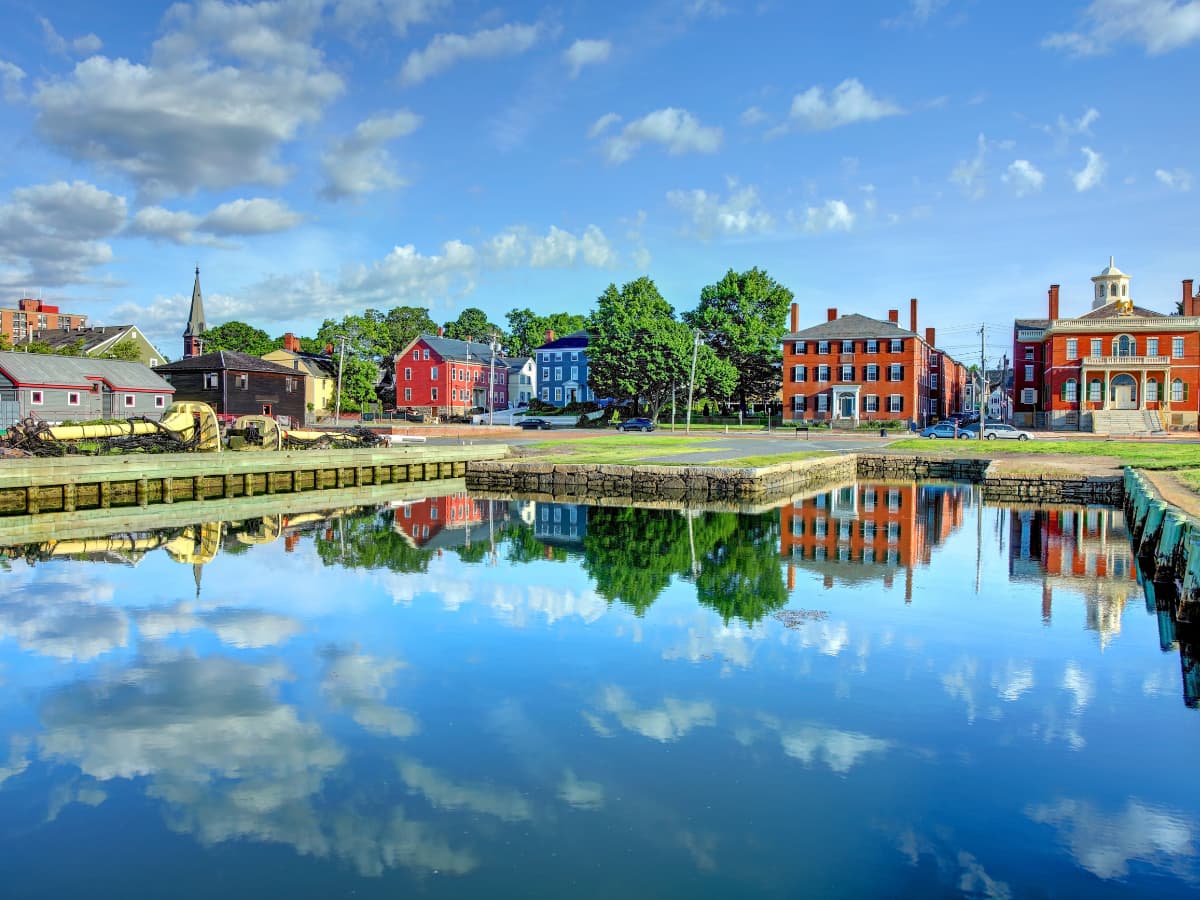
941 430
534 424
997 431
636 425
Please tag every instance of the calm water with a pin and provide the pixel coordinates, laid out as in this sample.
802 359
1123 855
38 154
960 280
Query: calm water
878 691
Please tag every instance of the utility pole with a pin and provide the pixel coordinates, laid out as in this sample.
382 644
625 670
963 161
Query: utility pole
982 380
337 415
692 380
672 406
492 342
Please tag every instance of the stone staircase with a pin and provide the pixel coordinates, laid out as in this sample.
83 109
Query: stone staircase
1127 423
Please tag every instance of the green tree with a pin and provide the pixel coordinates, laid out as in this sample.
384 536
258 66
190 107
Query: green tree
126 350
239 337
5 342
639 351
404 323
359 377
471 323
368 541
75 348
739 571
527 330
743 318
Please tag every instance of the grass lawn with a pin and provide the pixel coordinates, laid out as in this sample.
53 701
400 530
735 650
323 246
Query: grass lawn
1141 455
628 450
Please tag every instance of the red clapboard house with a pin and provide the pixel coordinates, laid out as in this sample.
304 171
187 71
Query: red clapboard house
450 377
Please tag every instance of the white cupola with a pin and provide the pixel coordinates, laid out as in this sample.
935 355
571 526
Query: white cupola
1112 286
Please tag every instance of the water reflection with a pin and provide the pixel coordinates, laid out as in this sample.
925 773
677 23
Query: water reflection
450 693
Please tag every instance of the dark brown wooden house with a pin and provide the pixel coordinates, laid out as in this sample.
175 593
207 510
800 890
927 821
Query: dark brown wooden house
237 384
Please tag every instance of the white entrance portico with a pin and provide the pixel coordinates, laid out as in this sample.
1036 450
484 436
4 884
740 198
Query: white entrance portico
845 403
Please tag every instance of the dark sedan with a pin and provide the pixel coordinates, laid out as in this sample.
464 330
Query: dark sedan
636 425
535 424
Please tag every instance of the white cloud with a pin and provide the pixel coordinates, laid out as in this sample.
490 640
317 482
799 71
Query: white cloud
849 102
145 122
51 234
11 77
505 804
752 116
602 124
256 216
445 50
1158 26
587 795
1091 173
1105 844
1175 179
740 213
63 617
560 248
710 9
670 721
833 215
157 223
276 33
60 46
1024 177
676 129
355 14
359 163
359 684
970 174
585 53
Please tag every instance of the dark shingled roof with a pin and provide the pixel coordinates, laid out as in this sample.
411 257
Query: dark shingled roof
851 326
462 351
573 340
91 338
225 360
517 363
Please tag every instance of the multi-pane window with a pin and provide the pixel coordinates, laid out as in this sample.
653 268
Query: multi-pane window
426 353
72 398
1028 396
433 372
1177 347
933 380
36 398
847 373
558 393
1071 391
1095 390
574 373
896 345
872 346
1179 391
893 500
872 373
558 373
895 372
408 374
895 403
433 394
822 346
798 402
1029 353
417 354
799 373
1152 346
243 381
408 393
1029 373
545 373
822 402
800 347
1152 390
1096 345
847 346
546 394
1072 348
822 373
210 381
871 403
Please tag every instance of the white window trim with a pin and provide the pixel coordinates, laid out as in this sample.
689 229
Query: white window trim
130 400
72 398
37 398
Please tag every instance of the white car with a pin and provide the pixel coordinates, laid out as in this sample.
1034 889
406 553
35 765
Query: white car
997 430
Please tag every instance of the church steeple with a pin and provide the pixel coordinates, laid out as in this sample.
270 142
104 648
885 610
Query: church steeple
192 342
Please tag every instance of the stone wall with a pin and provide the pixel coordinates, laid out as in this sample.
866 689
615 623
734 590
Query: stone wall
1106 490
889 468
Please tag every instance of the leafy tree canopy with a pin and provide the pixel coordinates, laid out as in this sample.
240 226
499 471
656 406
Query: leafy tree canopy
743 318
471 323
126 350
527 330
239 337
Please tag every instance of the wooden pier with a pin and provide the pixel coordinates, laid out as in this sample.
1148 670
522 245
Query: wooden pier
32 487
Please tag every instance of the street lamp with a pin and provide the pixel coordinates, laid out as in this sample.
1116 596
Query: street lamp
337 414
692 380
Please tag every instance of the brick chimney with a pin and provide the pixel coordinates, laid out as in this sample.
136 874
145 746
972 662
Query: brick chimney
441 331
831 313
549 335
894 316
931 337
912 315
329 349
795 317
1053 302
1189 300
291 342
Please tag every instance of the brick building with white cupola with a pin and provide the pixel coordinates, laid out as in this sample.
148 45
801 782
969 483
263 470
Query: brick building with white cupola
1119 368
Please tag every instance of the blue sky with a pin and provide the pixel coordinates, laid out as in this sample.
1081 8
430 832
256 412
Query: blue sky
317 158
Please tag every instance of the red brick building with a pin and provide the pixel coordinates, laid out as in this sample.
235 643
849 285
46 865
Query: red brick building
853 369
450 377
1118 368
31 316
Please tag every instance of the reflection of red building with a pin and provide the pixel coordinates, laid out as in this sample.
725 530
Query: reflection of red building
880 528
444 522
1086 551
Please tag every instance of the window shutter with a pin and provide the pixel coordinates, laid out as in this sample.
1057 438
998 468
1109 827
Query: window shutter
1063 392
1185 391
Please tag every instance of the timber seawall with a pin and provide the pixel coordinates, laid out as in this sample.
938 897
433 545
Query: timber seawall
713 484
1167 540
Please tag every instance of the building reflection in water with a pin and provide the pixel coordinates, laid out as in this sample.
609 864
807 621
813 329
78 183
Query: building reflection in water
866 532
1084 551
